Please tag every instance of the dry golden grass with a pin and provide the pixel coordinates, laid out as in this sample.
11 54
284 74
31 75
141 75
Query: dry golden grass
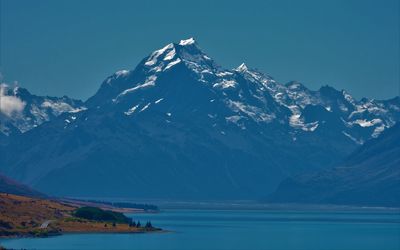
23 216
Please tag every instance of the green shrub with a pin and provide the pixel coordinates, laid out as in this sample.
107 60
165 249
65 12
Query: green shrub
97 214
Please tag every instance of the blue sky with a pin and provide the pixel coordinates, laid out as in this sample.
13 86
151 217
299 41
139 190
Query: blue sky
69 47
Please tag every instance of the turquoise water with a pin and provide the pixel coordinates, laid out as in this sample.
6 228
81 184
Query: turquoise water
242 229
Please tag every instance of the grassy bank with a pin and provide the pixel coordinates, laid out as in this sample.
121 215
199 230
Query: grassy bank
22 216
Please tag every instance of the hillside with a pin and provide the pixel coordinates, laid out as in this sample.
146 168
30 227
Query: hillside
12 187
369 176
26 216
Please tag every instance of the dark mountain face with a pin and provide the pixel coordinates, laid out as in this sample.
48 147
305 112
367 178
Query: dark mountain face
179 126
369 176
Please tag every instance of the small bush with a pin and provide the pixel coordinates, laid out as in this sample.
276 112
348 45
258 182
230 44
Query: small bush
97 214
5 224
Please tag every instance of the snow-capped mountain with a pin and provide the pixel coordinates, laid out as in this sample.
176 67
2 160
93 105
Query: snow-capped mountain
248 95
181 126
21 111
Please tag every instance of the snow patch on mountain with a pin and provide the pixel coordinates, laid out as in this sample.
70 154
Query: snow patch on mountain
77 110
257 114
378 130
242 68
131 110
57 107
159 100
225 84
359 142
117 75
145 107
150 82
170 55
187 42
365 123
153 59
173 63
121 73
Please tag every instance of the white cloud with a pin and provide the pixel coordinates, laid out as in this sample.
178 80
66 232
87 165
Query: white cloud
10 104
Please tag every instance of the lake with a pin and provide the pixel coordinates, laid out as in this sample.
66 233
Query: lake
242 230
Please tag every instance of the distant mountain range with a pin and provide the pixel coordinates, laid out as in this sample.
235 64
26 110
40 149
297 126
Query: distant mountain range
369 176
179 126
22 111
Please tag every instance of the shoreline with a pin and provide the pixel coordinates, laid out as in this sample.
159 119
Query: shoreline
271 206
22 216
236 204
60 233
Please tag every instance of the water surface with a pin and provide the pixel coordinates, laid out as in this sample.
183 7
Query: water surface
242 230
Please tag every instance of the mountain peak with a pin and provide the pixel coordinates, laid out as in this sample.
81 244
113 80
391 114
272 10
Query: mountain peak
189 41
242 68
330 91
186 51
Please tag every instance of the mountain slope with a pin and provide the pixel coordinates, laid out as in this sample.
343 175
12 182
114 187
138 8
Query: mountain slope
179 126
12 187
369 176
